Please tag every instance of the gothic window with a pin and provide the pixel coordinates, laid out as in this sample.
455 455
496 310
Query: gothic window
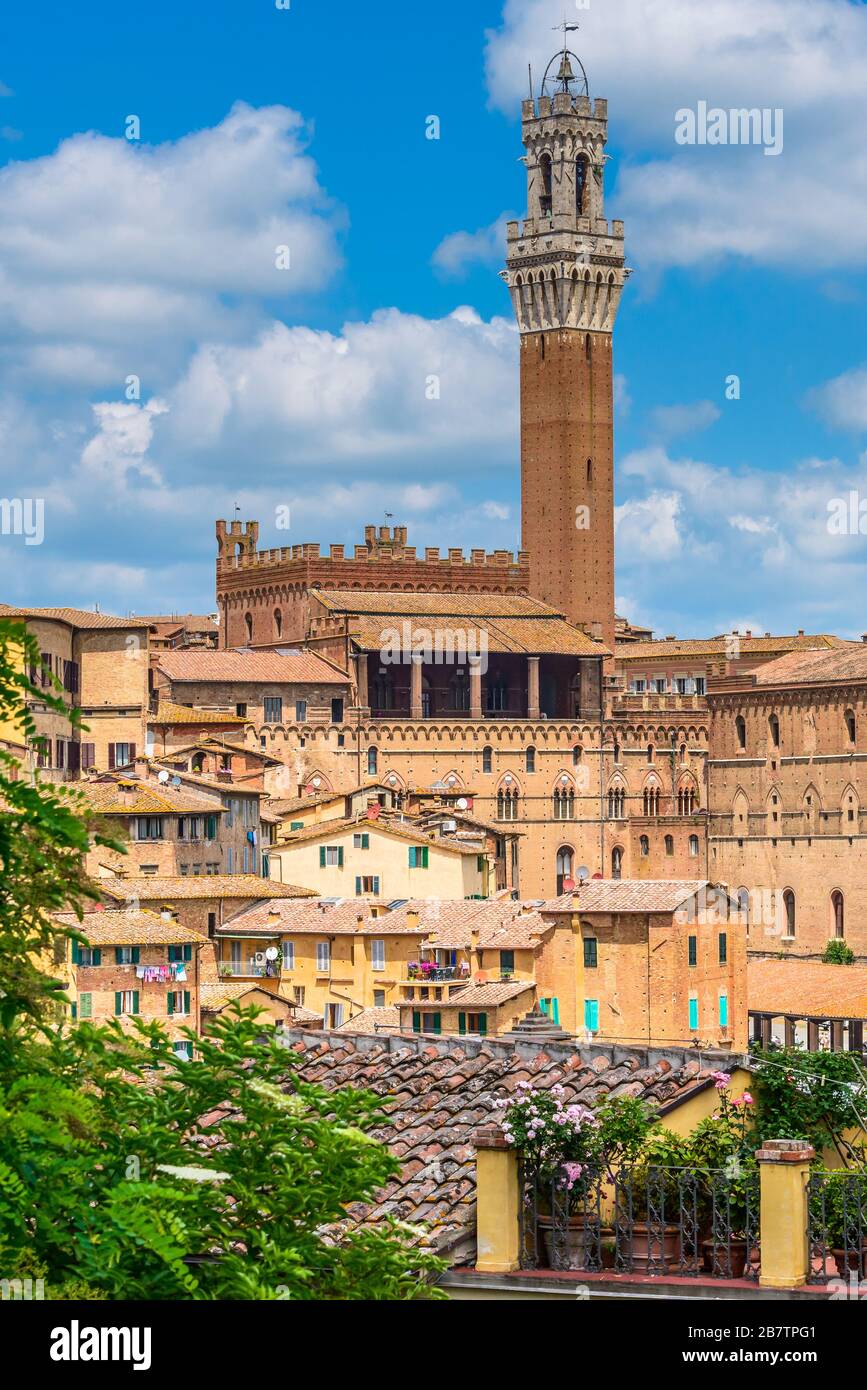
741 731
850 725
530 759
577 754
837 913
545 193
774 728
487 758
693 846
683 753
581 185
590 470
248 623
372 761
564 803
789 911
565 858
644 846
616 803
278 623
616 862
669 844
507 803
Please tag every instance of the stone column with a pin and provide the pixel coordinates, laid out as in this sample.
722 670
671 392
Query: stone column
361 669
532 687
475 690
415 688
497 1203
784 1165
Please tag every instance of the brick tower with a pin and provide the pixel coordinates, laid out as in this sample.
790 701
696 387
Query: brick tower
565 272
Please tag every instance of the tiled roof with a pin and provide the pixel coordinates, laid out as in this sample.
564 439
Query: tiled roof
845 664
381 1020
449 923
216 997
286 804
336 827
626 895
170 713
150 888
479 994
75 617
720 646
299 667
200 779
512 622
146 799
439 1091
130 927
317 917
196 622
807 987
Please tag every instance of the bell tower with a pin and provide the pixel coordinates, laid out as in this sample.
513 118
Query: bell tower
565 272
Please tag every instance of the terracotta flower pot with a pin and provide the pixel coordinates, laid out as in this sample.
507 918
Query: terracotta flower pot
578 1241
854 1258
652 1245
739 1251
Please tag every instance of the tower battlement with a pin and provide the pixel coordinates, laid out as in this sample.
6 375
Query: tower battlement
236 551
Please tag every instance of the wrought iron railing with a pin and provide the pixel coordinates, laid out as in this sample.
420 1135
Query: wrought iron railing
654 1221
837 1225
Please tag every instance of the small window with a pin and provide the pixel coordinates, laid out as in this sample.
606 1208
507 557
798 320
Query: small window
591 953
741 731
300 711
418 856
850 726
789 911
379 998
323 957
693 1015
337 711
577 754
774 730
377 955
693 845
273 709
372 761
644 846
669 844
616 862
591 1015
361 841
507 962
692 944
487 759
241 710
837 914
531 759
723 948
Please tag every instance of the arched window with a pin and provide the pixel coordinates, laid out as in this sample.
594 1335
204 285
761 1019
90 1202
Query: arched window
616 803
616 751
545 194
850 725
683 752
616 862
564 803
581 185
669 844
278 623
774 728
248 623
644 846
651 752
587 343
372 760
197 762
741 731
837 913
789 911
590 470
744 905
577 754
530 759
487 758
565 860
693 845
507 804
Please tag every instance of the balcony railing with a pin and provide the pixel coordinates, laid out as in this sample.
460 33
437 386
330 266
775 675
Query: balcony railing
437 974
232 969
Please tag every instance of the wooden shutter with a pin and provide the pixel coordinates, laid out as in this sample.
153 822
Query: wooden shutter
76 953
483 1025
85 1002
416 1020
424 855
170 1002
340 856
118 955
412 856
376 885
97 955
437 1023
186 1001
135 1001
136 953
118 1004
132 752
358 885
188 953
462 1023
322 856
365 841
110 756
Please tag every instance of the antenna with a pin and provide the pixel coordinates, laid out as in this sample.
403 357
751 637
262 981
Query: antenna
530 75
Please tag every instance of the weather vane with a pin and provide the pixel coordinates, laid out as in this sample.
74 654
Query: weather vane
566 28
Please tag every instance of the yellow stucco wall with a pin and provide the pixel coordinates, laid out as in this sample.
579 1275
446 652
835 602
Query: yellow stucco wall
448 875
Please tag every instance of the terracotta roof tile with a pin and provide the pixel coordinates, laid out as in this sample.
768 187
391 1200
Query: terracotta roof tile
438 1095
385 1019
170 713
626 895
150 888
295 667
75 617
130 927
815 668
720 646
317 916
806 988
134 798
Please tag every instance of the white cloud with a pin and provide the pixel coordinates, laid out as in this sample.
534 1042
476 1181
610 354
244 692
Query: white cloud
686 205
496 511
124 253
121 444
842 402
461 251
670 421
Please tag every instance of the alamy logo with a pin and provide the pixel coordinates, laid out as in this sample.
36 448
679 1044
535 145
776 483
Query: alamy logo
19 1290
23 516
738 126
444 646
77 1343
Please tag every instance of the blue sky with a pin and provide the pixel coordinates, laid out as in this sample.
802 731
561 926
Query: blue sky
262 127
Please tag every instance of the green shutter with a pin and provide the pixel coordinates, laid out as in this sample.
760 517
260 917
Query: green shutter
376 885
85 1006
135 1001
97 955
693 1015
322 856
117 1002
136 953
186 1001
555 1010
358 885
188 952
462 1023
416 1021
340 856
118 955
543 1005
411 853
76 953
483 1025
424 855
365 841
74 1011
170 1002
480 863
296 825
723 1010
437 1023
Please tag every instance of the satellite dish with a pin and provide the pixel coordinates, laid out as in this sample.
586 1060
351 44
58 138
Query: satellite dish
317 781
450 782
461 803
583 873
568 885
508 777
597 875
271 953
163 777
176 781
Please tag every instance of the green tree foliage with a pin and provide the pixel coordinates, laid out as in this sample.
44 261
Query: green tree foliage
127 1172
810 1095
838 952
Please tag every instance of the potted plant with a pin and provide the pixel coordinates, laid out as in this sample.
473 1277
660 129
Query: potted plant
721 1151
412 969
653 1178
557 1141
845 1215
